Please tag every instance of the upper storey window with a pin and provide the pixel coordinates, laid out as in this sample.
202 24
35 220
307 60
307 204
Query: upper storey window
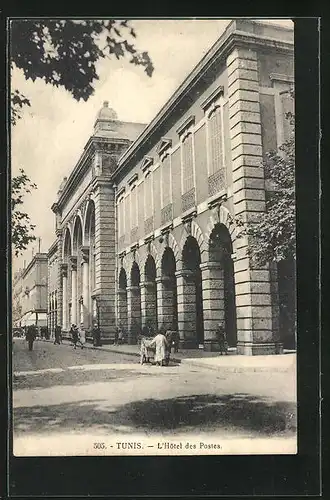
215 136
121 216
148 191
164 153
134 219
213 109
185 132
284 103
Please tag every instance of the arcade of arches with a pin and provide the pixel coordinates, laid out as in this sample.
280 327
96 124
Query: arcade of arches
78 273
187 295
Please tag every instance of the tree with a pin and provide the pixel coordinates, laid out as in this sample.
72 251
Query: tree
20 221
272 234
64 53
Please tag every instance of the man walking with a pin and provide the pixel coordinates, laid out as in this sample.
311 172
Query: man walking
30 336
159 342
221 336
57 334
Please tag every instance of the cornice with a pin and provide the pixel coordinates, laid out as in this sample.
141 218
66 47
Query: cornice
230 39
93 144
38 257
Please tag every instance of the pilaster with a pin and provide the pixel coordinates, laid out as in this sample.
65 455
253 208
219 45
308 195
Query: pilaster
105 268
255 322
213 302
186 296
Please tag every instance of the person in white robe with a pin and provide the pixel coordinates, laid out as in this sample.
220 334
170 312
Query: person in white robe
159 342
82 336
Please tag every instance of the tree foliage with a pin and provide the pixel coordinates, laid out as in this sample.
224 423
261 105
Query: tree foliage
64 53
272 234
22 229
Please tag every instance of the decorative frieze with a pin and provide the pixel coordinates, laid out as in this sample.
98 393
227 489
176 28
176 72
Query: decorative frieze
166 213
148 225
216 182
188 200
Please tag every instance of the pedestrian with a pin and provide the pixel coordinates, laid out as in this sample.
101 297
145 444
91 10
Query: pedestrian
74 335
96 335
58 339
159 342
221 337
121 336
30 336
82 336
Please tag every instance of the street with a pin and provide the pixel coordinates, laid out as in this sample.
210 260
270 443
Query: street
92 402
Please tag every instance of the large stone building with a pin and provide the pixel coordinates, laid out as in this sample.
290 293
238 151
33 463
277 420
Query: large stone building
29 293
145 222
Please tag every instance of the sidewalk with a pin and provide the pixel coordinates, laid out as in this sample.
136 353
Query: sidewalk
213 360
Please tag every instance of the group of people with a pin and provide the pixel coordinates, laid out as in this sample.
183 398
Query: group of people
162 342
78 336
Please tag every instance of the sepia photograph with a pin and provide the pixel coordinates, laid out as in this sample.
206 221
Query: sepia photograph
153 231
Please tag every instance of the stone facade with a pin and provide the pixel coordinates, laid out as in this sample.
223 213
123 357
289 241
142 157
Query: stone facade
30 292
147 234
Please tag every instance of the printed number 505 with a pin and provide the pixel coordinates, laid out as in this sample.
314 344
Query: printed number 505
99 446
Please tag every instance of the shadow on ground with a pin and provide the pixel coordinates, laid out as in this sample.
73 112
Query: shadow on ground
72 377
240 413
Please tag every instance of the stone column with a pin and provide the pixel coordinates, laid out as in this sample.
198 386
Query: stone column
105 260
122 308
255 332
213 302
148 303
165 301
64 296
187 308
134 313
73 261
85 286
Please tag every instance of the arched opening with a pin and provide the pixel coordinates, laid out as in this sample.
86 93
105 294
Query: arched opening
286 276
77 309
169 310
67 283
193 300
222 305
135 305
122 300
149 312
89 239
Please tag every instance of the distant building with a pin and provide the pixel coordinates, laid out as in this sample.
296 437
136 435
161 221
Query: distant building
29 292
145 222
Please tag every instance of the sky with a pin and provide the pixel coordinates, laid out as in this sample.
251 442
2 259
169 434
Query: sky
49 139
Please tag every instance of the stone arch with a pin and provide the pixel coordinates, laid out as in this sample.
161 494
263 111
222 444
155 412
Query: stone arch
87 221
134 305
67 242
77 226
154 254
175 247
220 272
126 264
220 215
197 233
136 257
